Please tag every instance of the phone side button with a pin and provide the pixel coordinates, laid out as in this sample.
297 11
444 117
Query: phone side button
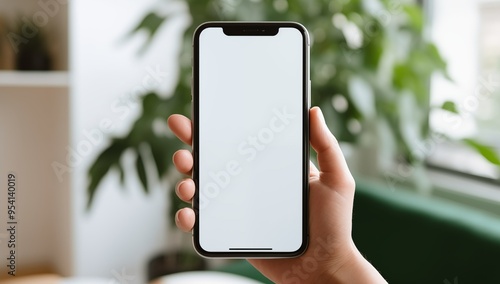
309 94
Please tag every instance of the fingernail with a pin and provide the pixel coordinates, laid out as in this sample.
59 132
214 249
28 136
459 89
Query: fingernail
321 117
177 187
177 217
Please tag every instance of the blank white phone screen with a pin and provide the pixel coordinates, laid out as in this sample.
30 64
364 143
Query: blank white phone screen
251 141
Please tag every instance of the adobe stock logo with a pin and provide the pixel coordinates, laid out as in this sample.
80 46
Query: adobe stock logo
320 251
248 151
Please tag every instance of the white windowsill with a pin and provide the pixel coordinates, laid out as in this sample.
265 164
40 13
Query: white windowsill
476 193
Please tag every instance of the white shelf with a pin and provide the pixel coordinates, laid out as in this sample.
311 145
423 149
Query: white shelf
58 79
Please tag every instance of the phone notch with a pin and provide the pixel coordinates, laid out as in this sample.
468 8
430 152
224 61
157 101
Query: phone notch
251 30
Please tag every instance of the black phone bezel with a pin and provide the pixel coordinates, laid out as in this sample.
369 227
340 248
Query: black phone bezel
259 29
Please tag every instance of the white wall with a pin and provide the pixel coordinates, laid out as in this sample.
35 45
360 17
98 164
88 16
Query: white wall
125 227
33 132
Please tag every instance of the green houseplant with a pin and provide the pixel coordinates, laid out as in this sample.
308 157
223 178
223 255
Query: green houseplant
370 69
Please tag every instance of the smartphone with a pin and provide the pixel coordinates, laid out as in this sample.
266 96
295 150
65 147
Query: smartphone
251 139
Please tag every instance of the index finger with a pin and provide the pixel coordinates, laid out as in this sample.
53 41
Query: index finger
182 128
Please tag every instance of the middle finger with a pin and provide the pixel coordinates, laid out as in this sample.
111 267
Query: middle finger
183 161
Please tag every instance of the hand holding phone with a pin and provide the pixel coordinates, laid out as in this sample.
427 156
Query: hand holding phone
331 255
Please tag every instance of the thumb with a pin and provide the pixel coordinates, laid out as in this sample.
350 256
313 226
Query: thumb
332 165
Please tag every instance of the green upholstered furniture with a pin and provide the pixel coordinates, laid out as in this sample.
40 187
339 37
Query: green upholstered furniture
416 239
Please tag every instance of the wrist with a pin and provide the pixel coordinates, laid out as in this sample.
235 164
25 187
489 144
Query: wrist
354 269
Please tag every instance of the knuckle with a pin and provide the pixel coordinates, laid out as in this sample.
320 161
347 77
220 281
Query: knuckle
350 182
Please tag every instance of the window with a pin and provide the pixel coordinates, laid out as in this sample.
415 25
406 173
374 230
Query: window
467 33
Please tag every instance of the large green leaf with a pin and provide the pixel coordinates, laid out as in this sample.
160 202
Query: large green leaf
486 151
108 158
141 172
149 24
163 149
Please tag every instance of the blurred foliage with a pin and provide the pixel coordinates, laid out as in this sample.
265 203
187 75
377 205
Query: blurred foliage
487 152
370 65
